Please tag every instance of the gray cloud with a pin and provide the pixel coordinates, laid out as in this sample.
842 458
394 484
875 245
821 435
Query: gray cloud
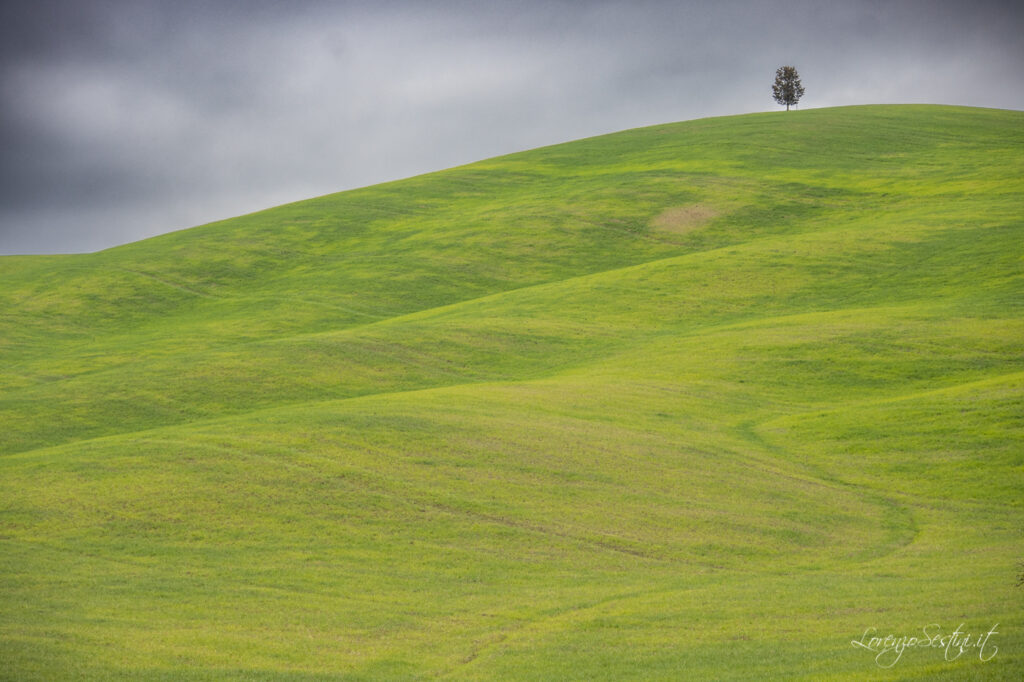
120 120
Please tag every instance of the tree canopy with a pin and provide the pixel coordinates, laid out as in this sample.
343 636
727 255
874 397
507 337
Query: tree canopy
787 88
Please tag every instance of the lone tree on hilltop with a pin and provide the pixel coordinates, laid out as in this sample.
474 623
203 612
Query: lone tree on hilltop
787 88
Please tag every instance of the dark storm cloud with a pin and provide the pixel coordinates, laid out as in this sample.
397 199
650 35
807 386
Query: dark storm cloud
120 120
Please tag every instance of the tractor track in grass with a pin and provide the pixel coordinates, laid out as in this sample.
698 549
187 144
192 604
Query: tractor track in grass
365 479
900 526
505 637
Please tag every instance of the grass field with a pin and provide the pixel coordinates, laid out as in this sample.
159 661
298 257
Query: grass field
708 400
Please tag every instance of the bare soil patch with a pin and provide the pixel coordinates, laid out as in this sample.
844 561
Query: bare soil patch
683 219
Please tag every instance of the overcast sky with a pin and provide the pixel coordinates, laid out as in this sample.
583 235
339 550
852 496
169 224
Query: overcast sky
122 119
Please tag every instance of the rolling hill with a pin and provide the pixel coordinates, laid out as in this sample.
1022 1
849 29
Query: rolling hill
707 400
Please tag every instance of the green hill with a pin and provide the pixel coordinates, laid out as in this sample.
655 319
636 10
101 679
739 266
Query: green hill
708 400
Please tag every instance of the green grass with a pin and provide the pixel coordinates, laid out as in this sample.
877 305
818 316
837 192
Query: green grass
539 418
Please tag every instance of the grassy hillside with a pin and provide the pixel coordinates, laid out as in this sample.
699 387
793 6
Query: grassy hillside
706 400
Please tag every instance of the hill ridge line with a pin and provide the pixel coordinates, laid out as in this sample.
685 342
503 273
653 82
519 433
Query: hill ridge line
240 416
